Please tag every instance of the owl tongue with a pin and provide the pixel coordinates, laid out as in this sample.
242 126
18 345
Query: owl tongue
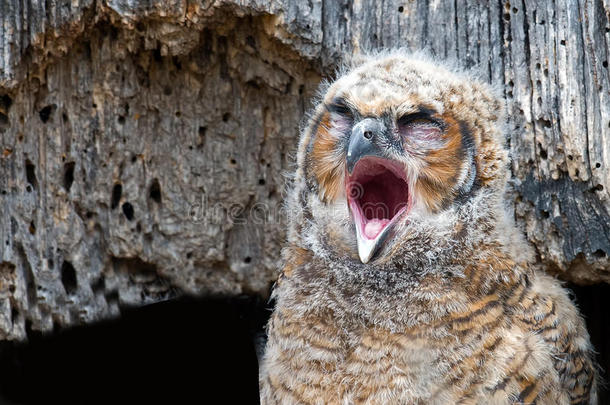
374 226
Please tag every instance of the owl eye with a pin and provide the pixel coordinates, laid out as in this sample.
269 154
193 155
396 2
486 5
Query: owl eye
340 106
420 126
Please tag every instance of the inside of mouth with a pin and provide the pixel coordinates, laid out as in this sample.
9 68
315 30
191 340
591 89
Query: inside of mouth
378 193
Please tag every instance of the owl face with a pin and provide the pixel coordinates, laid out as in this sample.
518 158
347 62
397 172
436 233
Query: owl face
397 142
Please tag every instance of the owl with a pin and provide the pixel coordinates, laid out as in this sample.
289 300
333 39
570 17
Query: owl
405 280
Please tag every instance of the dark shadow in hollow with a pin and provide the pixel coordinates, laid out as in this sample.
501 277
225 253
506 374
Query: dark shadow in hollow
175 351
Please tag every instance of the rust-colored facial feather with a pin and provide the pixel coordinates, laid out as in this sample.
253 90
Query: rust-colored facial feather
442 167
328 164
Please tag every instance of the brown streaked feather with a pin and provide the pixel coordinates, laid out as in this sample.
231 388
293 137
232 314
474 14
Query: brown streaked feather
438 177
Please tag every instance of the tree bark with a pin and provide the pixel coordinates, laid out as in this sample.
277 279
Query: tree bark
144 143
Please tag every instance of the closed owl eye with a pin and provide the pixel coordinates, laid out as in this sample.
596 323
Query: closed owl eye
341 107
341 117
420 126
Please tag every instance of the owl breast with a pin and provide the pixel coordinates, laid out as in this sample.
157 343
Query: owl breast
489 352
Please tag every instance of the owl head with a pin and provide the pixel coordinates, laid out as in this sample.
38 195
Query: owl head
401 159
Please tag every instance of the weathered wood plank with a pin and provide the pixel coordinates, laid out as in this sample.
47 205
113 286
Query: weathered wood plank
143 144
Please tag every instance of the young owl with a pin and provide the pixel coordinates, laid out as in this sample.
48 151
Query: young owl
405 280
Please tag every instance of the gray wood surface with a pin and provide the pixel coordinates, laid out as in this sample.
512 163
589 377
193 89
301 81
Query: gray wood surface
144 144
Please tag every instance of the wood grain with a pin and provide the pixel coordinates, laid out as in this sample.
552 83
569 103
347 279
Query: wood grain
143 144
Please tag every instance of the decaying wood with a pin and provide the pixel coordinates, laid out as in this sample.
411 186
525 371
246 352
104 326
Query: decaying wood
144 143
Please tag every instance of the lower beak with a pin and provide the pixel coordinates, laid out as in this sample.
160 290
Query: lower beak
367 248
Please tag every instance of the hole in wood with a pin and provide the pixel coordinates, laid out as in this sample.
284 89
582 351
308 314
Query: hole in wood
30 173
46 112
155 191
68 175
201 139
5 102
68 277
543 154
117 192
128 210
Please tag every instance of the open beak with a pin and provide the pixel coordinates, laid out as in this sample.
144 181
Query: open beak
376 188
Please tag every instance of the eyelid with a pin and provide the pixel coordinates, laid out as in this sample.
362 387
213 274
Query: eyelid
420 118
339 106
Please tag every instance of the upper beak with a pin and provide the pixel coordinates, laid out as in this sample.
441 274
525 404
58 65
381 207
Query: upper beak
364 141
